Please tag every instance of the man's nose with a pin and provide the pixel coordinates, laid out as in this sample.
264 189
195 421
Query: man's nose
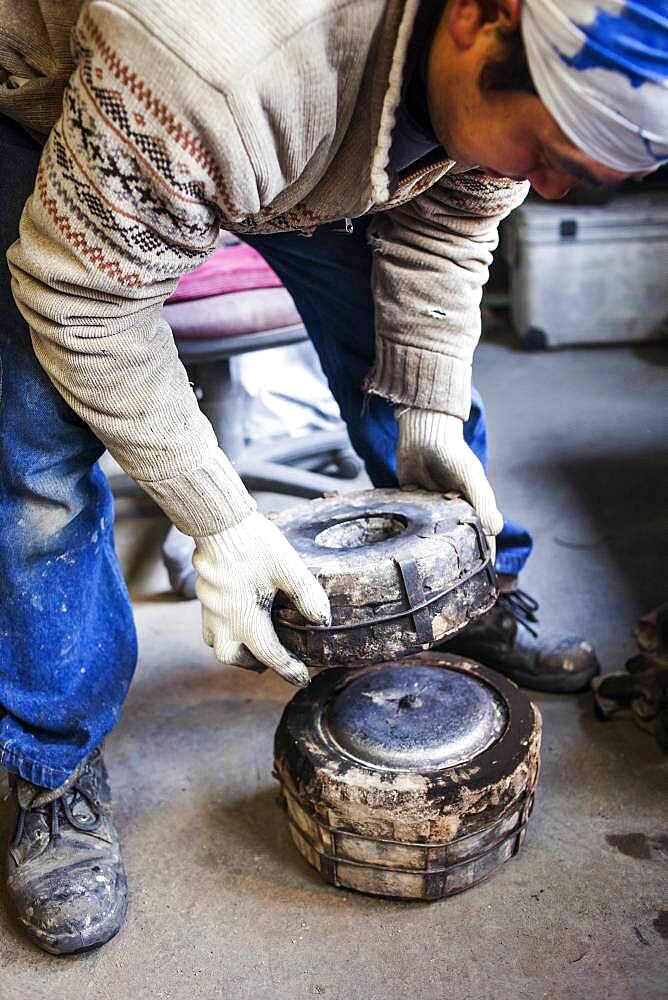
550 184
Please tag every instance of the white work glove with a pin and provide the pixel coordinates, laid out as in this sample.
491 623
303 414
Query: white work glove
432 453
239 572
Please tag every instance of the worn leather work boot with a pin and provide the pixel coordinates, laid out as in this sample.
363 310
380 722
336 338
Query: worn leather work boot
65 873
506 639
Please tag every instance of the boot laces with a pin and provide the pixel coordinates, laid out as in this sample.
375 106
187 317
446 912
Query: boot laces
522 607
67 804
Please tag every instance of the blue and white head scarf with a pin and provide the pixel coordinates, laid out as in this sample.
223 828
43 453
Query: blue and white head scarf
601 70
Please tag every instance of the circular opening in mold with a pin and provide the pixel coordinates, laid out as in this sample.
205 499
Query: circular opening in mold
359 531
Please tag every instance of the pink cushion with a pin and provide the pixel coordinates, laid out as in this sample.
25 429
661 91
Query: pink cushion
232 314
229 269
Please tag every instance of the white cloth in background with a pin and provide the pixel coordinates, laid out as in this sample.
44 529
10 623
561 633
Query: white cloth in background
284 392
601 69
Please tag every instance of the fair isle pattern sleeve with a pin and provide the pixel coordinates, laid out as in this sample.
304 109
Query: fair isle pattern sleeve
127 199
431 258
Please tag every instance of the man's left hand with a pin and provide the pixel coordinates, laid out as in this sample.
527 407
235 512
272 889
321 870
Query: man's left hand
432 454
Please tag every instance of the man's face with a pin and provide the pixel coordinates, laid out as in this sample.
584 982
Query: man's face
505 133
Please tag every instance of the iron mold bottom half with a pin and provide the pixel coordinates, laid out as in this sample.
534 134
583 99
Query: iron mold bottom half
413 779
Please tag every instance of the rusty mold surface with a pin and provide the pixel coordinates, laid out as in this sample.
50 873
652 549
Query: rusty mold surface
363 812
402 569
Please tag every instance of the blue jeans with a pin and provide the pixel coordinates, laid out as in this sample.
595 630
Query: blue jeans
67 638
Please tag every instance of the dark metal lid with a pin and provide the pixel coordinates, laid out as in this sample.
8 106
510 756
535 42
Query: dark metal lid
415 718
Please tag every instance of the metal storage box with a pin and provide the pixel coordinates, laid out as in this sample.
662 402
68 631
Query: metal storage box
589 274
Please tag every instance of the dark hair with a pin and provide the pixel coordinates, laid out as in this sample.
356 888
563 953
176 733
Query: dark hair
509 70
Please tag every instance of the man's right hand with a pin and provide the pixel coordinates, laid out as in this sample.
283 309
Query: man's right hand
239 573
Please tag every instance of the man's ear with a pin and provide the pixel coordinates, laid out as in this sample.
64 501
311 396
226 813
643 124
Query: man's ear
466 18
511 12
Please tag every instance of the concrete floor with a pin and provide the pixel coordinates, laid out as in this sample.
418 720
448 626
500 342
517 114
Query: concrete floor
223 906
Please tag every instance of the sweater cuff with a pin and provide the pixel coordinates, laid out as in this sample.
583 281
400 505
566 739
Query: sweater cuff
205 500
430 429
424 379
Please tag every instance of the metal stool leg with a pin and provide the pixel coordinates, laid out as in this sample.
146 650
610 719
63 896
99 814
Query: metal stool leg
221 403
177 555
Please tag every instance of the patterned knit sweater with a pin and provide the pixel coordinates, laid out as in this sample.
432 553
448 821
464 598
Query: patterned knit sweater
182 118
